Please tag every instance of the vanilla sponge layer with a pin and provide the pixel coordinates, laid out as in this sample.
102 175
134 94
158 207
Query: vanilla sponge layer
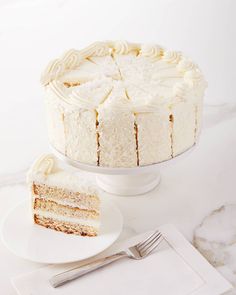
45 205
60 195
65 226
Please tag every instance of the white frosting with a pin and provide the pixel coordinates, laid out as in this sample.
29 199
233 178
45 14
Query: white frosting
87 222
71 58
106 66
172 56
95 49
123 47
151 50
45 170
92 94
186 64
54 69
43 166
193 77
181 89
75 67
88 96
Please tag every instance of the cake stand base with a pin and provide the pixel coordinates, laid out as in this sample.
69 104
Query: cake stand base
128 185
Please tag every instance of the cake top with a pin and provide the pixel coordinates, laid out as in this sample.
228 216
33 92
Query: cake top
46 170
151 75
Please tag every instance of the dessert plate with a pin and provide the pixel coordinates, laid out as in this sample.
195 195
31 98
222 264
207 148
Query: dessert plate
36 243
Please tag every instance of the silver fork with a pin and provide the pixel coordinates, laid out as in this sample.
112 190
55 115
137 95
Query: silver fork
139 251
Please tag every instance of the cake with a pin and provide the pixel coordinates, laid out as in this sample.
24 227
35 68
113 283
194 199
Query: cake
61 200
120 104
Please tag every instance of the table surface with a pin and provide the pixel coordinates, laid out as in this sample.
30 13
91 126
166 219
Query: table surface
190 189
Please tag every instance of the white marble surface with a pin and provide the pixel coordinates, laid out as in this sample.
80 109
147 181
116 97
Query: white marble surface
29 37
215 238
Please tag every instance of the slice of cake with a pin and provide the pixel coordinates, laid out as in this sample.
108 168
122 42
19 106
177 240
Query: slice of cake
61 200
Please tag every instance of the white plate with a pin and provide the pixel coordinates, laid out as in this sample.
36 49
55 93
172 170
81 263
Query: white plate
38 244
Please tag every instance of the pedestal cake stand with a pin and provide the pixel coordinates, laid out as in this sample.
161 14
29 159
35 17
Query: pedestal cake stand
124 181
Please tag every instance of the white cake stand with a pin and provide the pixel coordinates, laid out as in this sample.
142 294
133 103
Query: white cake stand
124 181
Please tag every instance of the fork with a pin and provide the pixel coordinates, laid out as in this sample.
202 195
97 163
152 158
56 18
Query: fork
138 251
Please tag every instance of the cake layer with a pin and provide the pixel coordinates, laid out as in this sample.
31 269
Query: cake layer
66 227
45 205
80 200
87 222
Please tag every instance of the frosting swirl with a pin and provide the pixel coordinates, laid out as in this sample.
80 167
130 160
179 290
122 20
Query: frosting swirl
70 58
186 65
161 76
95 49
123 47
53 70
180 89
172 56
149 50
193 77
45 165
73 99
59 90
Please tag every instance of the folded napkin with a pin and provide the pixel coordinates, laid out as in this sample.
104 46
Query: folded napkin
175 268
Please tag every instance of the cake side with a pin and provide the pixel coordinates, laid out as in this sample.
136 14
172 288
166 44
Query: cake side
117 143
55 120
154 137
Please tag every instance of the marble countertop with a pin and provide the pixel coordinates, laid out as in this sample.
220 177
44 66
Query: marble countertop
190 189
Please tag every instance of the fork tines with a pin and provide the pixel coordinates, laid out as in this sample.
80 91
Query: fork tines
149 244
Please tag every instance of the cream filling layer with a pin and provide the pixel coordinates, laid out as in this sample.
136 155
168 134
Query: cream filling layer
90 222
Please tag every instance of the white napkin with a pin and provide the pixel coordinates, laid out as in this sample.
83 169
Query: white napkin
176 268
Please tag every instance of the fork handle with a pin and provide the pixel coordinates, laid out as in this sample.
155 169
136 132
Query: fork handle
72 274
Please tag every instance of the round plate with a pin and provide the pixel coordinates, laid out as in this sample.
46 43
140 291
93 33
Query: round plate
42 245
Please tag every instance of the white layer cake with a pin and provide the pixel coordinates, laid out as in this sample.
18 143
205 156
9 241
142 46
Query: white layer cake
120 104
